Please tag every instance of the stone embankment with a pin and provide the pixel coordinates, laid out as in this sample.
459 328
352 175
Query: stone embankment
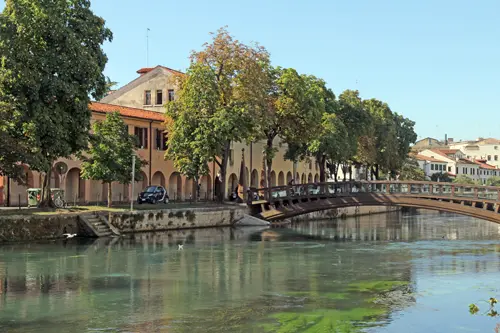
14 228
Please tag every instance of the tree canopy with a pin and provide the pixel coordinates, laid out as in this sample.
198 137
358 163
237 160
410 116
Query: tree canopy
109 157
232 77
52 64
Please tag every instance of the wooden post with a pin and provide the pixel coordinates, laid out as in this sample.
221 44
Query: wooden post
475 193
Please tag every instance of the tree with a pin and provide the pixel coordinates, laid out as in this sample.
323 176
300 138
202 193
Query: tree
411 170
231 76
12 149
356 119
293 111
188 147
441 177
463 179
493 181
109 157
405 137
52 64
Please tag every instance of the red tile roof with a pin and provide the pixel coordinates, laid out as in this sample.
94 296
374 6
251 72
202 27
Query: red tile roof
466 161
127 111
485 165
149 69
427 158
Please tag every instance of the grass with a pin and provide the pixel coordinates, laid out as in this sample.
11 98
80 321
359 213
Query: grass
96 208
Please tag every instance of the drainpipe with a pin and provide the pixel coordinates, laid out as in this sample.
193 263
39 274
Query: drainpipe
150 149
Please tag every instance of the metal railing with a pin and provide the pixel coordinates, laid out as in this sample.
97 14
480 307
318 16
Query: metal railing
352 188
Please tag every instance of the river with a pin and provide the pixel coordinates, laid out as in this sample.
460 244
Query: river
379 273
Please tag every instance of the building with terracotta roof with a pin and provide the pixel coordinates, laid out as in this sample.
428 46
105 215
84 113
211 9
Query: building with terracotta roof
484 149
431 165
457 163
149 128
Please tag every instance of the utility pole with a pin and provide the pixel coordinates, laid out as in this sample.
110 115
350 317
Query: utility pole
133 183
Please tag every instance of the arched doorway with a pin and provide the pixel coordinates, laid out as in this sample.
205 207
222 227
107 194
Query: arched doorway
175 186
316 178
273 178
255 179
310 178
189 190
75 186
141 184
303 180
262 179
297 177
289 177
281 179
206 188
232 183
158 179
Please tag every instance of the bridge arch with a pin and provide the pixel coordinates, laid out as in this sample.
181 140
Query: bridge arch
481 202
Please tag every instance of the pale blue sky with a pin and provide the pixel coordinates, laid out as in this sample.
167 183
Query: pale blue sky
435 61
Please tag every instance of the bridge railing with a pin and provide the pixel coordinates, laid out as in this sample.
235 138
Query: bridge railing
334 189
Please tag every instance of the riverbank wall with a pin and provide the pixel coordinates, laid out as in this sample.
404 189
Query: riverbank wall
23 228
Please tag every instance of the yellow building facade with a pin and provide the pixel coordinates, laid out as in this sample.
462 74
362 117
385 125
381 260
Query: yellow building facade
141 104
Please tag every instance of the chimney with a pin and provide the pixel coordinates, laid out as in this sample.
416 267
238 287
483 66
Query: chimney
446 139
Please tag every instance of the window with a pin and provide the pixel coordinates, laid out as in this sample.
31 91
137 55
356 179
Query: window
142 137
456 170
161 140
449 169
471 171
170 95
432 166
440 167
147 97
496 147
489 157
496 157
464 171
159 97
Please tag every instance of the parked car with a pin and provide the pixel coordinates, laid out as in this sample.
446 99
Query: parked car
152 195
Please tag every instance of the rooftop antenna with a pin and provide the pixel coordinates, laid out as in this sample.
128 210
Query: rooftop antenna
147 47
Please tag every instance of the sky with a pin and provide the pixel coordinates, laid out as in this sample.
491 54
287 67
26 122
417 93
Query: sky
434 61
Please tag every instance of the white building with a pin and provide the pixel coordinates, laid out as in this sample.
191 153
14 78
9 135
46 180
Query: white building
431 165
481 149
456 164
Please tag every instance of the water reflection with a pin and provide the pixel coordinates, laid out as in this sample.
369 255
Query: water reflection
364 270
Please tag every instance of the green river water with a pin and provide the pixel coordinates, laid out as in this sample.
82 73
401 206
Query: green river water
380 273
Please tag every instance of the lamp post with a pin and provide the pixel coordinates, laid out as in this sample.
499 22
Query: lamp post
133 183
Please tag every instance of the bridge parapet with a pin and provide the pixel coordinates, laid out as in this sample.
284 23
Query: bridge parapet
352 188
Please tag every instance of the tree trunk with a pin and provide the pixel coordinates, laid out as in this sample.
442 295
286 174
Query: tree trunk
196 189
335 172
110 195
322 173
350 172
223 170
376 172
46 198
344 171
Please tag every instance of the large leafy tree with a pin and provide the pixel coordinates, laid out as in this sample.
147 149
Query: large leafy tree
463 179
353 114
411 170
12 149
52 64
292 112
231 76
405 136
188 147
110 155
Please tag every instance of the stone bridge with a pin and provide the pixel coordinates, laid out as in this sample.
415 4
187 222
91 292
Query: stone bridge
281 202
